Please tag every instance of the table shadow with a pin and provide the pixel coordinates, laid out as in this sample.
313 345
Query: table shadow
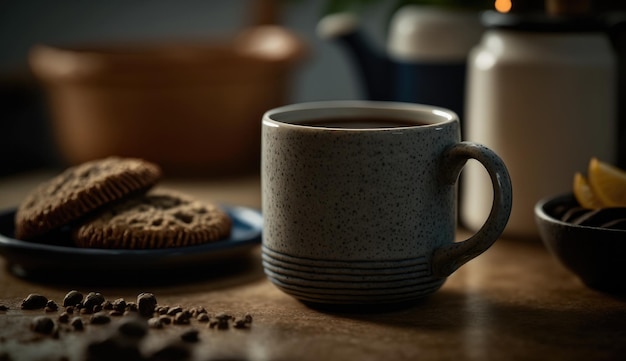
234 271
578 325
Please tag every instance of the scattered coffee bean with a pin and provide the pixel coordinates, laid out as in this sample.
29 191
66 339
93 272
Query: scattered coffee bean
34 301
220 324
42 324
100 318
72 298
119 305
182 318
135 328
113 348
131 306
174 310
223 316
107 305
241 323
155 322
92 300
247 317
174 351
146 302
155 316
4 308
190 335
166 320
77 323
64 317
51 306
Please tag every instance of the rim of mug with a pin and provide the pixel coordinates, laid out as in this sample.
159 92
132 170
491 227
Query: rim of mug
280 116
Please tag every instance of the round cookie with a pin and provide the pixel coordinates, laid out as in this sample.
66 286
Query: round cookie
80 190
158 219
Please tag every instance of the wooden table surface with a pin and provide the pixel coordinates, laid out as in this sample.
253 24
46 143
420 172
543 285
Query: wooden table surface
515 302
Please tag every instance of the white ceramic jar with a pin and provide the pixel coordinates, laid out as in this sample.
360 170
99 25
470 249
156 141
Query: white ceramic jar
541 93
428 47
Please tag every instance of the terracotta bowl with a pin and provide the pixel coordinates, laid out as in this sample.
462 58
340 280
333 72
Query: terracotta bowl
192 107
596 255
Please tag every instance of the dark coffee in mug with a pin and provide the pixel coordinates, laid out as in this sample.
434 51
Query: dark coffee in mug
361 123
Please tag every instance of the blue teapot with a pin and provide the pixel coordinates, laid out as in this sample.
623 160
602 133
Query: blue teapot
425 59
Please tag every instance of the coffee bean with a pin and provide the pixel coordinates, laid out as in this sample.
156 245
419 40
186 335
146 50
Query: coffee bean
64 317
220 324
34 301
241 323
131 306
113 348
182 318
116 313
135 328
223 316
174 310
146 303
119 305
172 352
155 322
203 317
51 306
107 305
247 317
42 324
166 320
92 300
190 335
72 298
100 318
77 323
162 310
4 308
69 309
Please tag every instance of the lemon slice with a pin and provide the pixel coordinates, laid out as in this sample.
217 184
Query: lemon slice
584 194
608 183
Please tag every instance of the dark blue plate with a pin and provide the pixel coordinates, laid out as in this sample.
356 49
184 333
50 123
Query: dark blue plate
57 255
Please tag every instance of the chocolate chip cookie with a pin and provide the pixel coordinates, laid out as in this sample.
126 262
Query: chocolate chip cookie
158 219
80 190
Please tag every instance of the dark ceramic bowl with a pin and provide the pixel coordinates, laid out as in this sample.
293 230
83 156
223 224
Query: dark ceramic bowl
596 255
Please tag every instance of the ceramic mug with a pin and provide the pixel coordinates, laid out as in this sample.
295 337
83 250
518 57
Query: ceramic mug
359 200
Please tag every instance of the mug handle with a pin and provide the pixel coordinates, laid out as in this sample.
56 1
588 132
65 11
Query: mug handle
449 258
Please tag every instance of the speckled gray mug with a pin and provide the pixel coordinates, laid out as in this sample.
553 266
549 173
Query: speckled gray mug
359 200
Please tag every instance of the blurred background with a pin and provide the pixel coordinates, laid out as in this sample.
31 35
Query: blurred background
25 127
42 116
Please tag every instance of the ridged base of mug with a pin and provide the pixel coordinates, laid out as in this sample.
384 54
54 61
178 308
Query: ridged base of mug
350 282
